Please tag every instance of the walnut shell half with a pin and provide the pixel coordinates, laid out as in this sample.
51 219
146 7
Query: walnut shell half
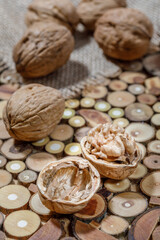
66 186
33 111
45 47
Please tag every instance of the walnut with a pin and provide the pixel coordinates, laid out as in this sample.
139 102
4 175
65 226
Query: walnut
111 150
67 185
124 33
61 11
90 11
44 48
33 111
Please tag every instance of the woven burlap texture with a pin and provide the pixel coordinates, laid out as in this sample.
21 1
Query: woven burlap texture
87 58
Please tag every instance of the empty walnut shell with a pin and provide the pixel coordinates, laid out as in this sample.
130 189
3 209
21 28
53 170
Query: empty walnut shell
61 11
45 47
113 152
66 186
124 33
33 111
90 11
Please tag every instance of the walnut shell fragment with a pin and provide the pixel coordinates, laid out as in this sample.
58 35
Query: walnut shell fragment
33 111
44 48
124 33
113 152
67 185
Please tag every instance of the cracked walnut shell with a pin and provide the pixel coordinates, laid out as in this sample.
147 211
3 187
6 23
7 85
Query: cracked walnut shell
67 185
113 152
124 33
45 47
33 111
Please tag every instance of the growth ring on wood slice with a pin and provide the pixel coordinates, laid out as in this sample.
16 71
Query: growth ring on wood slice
152 162
26 177
3 131
3 161
154 147
147 98
138 112
95 91
152 64
142 132
72 103
76 122
2 106
136 89
13 197
150 185
40 143
156 107
15 150
132 77
117 186
21 224
15 167
139 172
80 133
116 113
142 149
102 106
73 149
155 120
68 113
62 132
128 204
121 98
117 85
87 102
121 122
5 178
153 85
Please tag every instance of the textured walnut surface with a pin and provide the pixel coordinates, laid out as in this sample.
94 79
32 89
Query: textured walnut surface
33 111
44 47
124 33
90 11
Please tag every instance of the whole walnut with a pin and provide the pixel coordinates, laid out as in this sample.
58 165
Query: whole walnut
61 11
33 111
90 11
45 47
124 33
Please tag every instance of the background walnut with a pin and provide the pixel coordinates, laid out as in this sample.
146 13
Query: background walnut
33 111
61 11
43 48
90 11
124 33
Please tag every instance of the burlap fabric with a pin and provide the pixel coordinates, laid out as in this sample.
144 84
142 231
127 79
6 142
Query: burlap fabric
87 58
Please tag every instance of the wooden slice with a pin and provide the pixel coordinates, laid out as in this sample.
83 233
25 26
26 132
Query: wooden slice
55 147
3 161
152 162
95 91
5 178
80 133
121 122
136 89
116 186
87 102
3 131
13 197
153 85
138 112
2 106
132 77
104 81
15 167
143 226
68 113
21 224
121 98
135 187
63 133
155 120
6 90
116 113
11 76
117 85
94 117
112 73
154 146
76 122
33 188
147 98
142 132
95 209
38 161
73 149
2 236
41 143
12 149
139 173
142 149
156 232
158 134
150 185
152 64
128 204
135 66
72 103
27 177
156 107
102 106
154 201
114 225
51 230
105 193
83 231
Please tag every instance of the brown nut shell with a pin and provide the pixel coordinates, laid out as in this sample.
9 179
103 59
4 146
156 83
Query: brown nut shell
33 111
67 185
45 47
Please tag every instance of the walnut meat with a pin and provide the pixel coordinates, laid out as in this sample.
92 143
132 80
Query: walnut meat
67 185
112 151
33 111
90 11
44 48
61 11
124 33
